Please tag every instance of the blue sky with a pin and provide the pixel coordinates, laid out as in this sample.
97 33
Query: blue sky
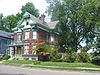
8 7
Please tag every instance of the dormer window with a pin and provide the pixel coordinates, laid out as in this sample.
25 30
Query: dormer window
27 21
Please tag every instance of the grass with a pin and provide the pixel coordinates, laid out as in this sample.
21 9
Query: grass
64 64
53 65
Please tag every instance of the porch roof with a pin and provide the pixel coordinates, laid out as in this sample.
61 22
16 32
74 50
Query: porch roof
13 45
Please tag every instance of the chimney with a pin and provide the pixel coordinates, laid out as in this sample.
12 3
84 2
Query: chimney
42 18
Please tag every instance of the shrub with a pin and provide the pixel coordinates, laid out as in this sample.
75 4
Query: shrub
83 57
71 57
96 60
55 56
0 58
6 57
37 62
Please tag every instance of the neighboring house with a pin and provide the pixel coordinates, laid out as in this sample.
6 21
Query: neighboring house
5 40
29 32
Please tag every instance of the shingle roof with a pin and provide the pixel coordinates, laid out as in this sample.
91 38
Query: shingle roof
5 34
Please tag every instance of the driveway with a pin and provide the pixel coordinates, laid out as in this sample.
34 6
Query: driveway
12 70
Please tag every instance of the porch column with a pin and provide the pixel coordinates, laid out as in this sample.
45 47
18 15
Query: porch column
22 50
15 51
11 51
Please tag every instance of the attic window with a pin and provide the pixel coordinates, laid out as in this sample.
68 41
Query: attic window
27 21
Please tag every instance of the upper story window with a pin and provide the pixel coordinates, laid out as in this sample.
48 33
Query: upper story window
29 21
19 37
34 35
26 35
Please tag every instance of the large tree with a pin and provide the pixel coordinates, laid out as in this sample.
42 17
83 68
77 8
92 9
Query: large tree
29 7
77 21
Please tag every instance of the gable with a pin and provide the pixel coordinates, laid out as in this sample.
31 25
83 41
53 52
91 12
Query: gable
33 21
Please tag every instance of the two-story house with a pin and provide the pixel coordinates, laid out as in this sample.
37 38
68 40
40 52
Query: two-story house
29 32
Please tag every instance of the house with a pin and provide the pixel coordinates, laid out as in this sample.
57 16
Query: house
29 32
5 40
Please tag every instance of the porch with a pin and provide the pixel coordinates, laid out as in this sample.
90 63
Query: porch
21 52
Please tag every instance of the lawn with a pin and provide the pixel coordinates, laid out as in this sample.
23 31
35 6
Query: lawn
54 65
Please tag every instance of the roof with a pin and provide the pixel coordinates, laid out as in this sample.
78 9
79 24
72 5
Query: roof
5 34
52 25
36 21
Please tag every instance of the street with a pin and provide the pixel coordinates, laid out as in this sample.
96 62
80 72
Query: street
12 70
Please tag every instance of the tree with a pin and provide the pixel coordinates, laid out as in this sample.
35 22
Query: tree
53 8
10 21
1 17
96 54
77 21
29 7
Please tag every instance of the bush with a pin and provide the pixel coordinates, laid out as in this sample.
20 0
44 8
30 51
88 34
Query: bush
96 60
70 55
37 62
0 58
55 56
83 57
70 58
5 57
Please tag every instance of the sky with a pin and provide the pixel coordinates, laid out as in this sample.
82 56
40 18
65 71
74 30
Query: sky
8 7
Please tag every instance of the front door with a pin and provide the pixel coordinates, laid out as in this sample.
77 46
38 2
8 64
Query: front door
18 51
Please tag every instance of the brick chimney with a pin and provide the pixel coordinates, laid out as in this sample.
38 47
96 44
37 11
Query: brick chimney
42 18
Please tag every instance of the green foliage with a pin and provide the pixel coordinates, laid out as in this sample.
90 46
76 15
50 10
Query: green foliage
5 57
96 54
37 62
10 21
96 60
29 7
77 21
46 52
83 57
55 56
70 55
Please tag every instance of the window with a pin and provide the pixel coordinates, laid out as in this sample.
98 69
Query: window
27 21
19 37
26 35
52 38
34 51
26 49
34 35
